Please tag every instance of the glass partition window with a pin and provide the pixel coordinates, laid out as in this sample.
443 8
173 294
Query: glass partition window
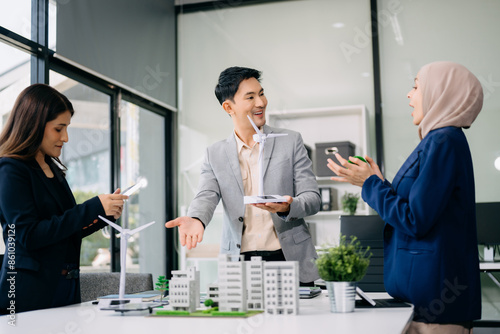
14 77
52 24
87 156
16 16
142 157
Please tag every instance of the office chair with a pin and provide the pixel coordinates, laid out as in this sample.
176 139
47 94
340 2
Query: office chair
93 285
369 230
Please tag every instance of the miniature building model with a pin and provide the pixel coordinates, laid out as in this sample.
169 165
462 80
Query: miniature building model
213 293
255 284
232 286
281 286
185 289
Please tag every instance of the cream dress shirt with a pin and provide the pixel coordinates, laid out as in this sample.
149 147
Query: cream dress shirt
258 229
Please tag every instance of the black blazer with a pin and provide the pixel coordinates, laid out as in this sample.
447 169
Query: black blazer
36 230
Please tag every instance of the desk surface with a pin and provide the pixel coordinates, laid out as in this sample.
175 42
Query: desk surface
314 317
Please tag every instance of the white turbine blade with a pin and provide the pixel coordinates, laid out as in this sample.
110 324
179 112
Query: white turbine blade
271 135
129 191
135 230
142 182
254 126
115 226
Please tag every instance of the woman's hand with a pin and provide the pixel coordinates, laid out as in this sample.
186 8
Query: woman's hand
355 173
113 203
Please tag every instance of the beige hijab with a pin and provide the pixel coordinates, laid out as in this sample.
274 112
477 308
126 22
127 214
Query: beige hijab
451 96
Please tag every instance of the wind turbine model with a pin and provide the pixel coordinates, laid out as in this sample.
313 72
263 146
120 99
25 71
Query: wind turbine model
261 138
142 182
125 233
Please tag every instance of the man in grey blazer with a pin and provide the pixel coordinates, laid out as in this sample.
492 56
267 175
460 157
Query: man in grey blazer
275 231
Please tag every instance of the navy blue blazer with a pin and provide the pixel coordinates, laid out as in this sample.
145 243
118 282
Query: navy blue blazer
33 215
430 242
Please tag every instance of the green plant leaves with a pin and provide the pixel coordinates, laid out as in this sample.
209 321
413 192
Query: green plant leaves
346 262
350 202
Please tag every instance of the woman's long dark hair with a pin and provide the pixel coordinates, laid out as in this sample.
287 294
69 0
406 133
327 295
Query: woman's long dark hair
23 133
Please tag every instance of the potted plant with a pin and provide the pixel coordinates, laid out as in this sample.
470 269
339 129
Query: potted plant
341 267
350 203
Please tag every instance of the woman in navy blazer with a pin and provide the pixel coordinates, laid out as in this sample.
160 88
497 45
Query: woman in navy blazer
42 225
430 243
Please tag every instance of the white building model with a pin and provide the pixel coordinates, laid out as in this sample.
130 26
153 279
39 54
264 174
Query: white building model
184 289
232 284
213 293
281 287
255 283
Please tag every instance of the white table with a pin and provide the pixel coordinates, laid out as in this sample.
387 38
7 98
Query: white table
314 317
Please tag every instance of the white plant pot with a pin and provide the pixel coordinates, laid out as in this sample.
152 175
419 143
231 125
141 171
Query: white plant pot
342 296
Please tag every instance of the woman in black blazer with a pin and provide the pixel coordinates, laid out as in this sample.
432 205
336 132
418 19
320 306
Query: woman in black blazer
42 225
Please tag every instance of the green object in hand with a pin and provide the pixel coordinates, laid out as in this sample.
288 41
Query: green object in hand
360 158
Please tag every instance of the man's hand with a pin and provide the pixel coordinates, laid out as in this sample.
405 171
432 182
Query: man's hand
190 230
276 207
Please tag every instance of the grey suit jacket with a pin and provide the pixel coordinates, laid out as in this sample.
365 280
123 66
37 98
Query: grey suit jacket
287 171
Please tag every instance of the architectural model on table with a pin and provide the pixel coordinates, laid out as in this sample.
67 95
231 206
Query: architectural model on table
184 294
281 286
213 293
255 283
242 286
232 284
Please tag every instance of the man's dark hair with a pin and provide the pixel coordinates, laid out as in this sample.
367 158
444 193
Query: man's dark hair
230 79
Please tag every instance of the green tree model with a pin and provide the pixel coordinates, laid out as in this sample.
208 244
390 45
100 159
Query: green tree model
162 286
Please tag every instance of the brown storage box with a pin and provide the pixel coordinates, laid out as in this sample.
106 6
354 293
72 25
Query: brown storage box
327 150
